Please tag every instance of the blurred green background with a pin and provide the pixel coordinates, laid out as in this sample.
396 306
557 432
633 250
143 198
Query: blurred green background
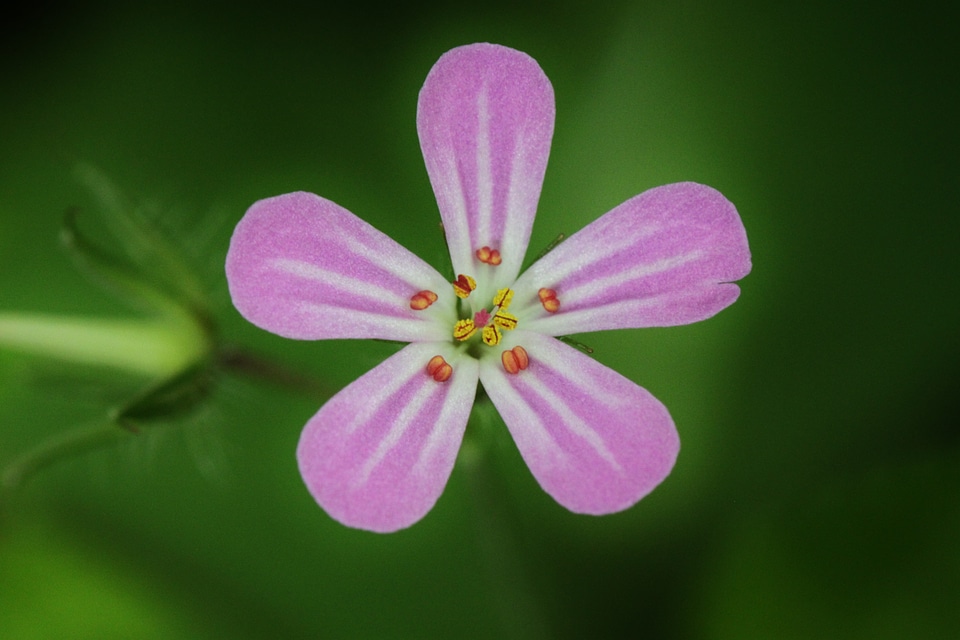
817 493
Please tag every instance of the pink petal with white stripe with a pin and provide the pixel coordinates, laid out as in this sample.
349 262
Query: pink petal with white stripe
594 440
304 267
485 118
379 453
665 257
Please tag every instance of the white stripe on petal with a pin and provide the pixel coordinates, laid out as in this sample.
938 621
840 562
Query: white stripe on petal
346 323
635 273
465 369
570 420
407 268
355 287
484 172
534 430
403 421
379 396
450 196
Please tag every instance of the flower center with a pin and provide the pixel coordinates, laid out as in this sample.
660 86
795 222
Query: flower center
488 323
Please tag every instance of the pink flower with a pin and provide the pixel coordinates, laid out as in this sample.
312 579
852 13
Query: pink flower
378 454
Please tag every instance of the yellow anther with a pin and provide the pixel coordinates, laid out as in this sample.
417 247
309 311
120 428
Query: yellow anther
548 298
491 335
439 369
515 360
504 320
464 285
422 300
464 329
503 298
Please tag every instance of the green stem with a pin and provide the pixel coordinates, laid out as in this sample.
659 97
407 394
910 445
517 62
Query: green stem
513 589
152 347
238 360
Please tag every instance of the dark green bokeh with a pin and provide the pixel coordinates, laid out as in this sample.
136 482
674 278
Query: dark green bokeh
817 491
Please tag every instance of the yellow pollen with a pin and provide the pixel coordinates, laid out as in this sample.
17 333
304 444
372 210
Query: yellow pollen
464 329
515 360
491 335
439 369
504 320
422 300
503 298
464 285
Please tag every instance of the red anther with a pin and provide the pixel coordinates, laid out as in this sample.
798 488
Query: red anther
464 285
515 360
548 298
523 360
435 363
422 300
489 256
439 369
443 373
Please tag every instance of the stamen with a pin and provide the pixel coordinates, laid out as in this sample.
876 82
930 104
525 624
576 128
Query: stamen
422 300
515 360
489 256
503 298
548 298
491 335
504 320
439 369
464 329
522 358
464 285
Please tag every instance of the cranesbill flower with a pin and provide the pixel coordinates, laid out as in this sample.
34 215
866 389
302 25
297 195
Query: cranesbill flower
378 454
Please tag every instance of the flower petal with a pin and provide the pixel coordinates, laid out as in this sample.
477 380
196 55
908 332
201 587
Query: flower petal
304 267
594 440
379 453
485 118
665 257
